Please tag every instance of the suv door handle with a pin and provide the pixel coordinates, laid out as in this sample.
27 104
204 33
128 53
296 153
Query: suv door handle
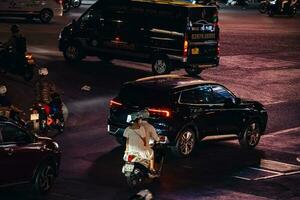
9 151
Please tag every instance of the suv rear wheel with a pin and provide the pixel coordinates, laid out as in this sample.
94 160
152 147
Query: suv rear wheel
44 178
251 135
160 65
72 53
46 16
185 143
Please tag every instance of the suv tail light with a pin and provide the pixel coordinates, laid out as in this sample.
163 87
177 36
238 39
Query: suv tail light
114 103
59 1
159 112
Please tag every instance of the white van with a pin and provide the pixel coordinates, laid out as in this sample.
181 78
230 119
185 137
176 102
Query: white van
42 9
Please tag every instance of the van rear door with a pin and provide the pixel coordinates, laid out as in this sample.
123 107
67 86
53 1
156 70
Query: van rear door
202 34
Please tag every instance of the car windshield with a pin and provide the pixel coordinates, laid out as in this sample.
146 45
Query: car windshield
143 96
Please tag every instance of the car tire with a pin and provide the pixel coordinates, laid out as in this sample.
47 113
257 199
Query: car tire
46 16
44 179
161 65
72 53
185 143
250 136
193 71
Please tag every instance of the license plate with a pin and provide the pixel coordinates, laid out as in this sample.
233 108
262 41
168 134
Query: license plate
195 51
203 36
128 168
34 117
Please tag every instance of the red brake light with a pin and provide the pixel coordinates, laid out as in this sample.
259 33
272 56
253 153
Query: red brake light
130 158
114 103
159 112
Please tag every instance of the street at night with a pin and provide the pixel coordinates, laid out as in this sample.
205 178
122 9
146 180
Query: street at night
259 60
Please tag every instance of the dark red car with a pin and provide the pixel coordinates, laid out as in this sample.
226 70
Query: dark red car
26 158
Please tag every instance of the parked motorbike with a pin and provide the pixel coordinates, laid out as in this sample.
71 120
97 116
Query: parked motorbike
47 117
6 63
275 9
136 169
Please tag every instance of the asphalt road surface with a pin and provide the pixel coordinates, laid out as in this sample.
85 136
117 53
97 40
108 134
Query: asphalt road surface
260 59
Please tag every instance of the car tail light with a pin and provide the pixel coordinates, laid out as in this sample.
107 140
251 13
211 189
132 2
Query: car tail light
185 47
114 103
59 1
159 112
130 158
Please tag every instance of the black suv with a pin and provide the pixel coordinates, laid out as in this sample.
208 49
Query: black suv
26 158
186 110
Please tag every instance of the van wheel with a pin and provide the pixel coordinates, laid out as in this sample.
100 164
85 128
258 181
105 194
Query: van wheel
250 136
185 143
193 71
161 66
72 53
46 16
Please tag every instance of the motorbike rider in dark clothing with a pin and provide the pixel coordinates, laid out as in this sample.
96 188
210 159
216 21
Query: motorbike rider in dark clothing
17 43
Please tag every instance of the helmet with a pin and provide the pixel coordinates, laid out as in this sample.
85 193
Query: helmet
137 115
14 28
43 71
3 89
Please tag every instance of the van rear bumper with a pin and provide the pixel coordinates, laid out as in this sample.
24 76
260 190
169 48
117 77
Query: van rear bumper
201 62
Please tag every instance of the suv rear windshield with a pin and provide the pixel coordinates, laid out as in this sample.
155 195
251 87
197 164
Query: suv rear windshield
143 96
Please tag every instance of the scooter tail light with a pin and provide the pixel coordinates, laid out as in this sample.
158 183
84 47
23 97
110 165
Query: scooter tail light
130 158
185 47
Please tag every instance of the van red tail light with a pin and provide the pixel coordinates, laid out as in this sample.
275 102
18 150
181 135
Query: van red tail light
114 104
185 47
159 112
130 158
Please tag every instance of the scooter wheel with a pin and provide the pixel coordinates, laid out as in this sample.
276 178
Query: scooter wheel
136 179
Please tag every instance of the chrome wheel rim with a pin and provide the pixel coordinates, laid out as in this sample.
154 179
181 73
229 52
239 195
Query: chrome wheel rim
46 178
160 66
72 52
253 134
186 143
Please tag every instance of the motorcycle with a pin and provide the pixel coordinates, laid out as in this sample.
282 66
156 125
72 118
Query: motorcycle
275 9
7 60
136 169
45 117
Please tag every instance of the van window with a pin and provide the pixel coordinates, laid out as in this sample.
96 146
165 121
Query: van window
209 14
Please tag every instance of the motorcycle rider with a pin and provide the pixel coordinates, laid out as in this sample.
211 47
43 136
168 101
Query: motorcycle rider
151 134
18 45
6 104
136 140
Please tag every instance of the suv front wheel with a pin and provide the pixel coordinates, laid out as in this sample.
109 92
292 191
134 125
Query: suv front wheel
185 143
44 179
251 135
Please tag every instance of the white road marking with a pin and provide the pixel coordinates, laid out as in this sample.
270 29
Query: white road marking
284 131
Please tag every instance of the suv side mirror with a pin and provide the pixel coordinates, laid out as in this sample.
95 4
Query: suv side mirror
238 100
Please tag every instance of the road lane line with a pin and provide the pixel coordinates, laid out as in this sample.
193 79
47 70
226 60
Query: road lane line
290 130
266 170
243 178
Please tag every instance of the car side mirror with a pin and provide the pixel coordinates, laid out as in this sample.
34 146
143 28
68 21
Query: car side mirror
238 100
229 102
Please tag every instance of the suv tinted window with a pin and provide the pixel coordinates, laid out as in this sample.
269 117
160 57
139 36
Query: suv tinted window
199 95
221 94
12 134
